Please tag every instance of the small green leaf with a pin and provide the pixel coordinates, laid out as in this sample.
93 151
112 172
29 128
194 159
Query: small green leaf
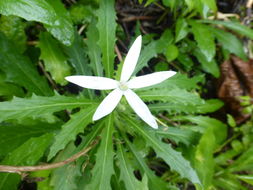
181 29
27 154
235 26
70 129
103 169
54 59
171 52
20 70
246 178
204 38
38 106
107 27
208 66
231 120
173 158
229 42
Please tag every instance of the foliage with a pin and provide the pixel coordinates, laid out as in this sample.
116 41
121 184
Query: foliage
45 120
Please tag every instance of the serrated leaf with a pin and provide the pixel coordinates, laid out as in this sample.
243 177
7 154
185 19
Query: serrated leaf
235 26
185 136
204 38
179 96
27 154
103 169
20 70
51 13
154 181
107 28
14 29
94 51
70 129
204 162
39 106
208 66
229 42
172 107
173 158
54 59
126 170
78 57
204 122
12 136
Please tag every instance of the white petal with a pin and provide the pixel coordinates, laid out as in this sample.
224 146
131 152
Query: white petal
108 104
98 83
131 60
140 108
150 79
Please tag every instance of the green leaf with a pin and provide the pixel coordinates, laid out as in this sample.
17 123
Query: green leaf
12 136
185 136
174 107
204 122
39 106
173 158
235 26
70 129
14 29
65 178
126 169
181 29
179 96
62 29
171 52
28 153
103 169
20 70
78 57
107 27
54 59
229 42
51 13
246 178
94 51
204 38
208 66
211 4
204 162
154 181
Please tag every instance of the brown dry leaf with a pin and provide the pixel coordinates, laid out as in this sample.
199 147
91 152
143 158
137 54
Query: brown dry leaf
236 80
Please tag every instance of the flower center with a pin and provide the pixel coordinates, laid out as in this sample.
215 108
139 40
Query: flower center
123 86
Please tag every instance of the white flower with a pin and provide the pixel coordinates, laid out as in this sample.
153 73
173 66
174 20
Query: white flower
124 87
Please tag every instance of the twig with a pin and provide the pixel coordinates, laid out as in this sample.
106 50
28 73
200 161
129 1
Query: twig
118 53
81 29
134 18
19 169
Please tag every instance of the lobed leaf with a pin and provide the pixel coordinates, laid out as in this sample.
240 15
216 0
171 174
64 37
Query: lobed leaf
103 169
173 158
39 106
106 28
70 129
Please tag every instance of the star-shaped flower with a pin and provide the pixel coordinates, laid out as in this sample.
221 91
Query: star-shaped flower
124 87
